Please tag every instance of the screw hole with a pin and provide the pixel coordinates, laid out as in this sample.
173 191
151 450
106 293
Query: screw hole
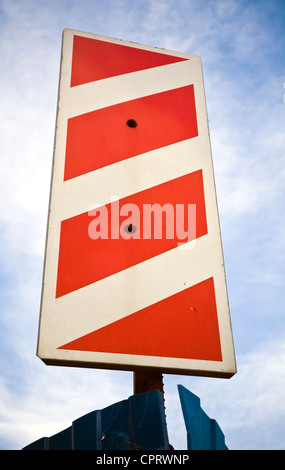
130 228
131 123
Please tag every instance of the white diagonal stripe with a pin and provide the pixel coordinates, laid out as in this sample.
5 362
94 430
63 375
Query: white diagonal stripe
132 289
96 95
128 177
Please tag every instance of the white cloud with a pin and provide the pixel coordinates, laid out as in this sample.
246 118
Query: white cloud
50 398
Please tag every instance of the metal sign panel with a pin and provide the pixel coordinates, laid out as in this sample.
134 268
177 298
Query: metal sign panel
134 274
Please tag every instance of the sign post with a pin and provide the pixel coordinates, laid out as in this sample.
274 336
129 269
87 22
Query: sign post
146 381
134 275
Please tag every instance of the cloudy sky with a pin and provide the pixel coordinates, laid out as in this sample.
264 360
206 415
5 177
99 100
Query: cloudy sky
242 45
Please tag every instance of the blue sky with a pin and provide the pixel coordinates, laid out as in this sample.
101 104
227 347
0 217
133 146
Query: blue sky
242 45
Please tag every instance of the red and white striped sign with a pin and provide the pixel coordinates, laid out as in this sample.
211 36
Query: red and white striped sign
134 275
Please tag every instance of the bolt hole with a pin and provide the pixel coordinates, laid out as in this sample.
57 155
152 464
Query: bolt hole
131 123
131 228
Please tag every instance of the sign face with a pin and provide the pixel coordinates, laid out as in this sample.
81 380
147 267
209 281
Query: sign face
134 274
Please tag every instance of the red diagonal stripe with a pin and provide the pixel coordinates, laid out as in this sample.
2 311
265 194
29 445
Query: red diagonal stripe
102 137
184 325
95 60
83 260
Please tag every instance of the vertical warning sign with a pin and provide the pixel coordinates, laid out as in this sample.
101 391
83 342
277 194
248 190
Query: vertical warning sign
134 274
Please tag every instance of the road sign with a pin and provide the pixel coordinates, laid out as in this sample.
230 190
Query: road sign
134 276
